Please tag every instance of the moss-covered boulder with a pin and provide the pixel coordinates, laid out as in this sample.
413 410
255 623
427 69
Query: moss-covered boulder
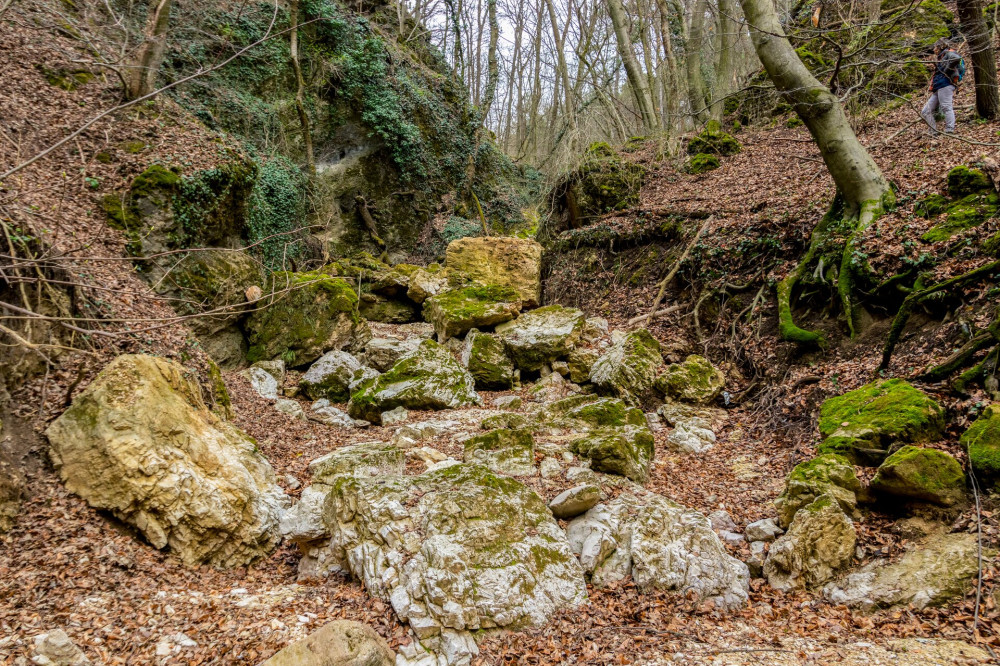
370 459
713 141
500 260
973 200
982 441
592 412
964 180
624 450
831 475
304 316
427 378
580 361
605 181
702 162
861 424
628 368
456 311
375 307
541 336
334 375
485 355
503 451
917 473
695 380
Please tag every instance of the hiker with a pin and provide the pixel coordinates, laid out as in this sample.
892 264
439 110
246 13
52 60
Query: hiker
949 68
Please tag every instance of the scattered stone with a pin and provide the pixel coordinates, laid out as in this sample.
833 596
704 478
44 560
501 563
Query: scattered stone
203 488
628 368
819 541
382 353
339 643
503 451
503 260
695 380
262 382
334 375
324 412
549 468
574 501
407 436
626 450
758 554
427 378
691 438
722 521
580 361
982 441
662 545
507 402
394 416
291 408
456 311
426 455
551 388
731 538
931 574
12 486
541 336
371 459
765 530
861 424
693 426
56 649
486 358
291 482
916 473
828 474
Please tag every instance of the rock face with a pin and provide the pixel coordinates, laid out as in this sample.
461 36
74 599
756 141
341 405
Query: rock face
819 541
541 336
828 474
627 370
140 443
426 378
501 260
982 441
454 312
334 375
315 313
695 380
861 424
339 643
486 358
375 307
662 545
916 473
454 550
503 451
930 574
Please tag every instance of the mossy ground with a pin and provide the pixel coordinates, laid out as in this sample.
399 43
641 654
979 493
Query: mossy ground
702 162
713 141
982 440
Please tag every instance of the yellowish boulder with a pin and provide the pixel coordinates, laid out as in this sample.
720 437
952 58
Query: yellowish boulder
339 643
140 442
500 260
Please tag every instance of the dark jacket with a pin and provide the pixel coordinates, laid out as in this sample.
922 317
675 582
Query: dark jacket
946 70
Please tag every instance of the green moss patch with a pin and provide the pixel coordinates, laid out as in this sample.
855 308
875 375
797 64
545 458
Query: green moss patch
921 474
964 180
982 440
713 141
702 162
476 306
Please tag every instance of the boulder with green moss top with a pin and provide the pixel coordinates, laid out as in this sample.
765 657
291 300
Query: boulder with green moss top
393 281
702 163
624 450
964 180
819 542
830 475
598 412
604 181
426 378
713 141
371 459
541 336
982 441
375 307
304 315
486 358
456 311
917 473
503 451
506 420
861 424
334 375
628 368
695 380
474 550
500 260
973 201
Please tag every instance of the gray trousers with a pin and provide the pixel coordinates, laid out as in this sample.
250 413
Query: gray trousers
940 100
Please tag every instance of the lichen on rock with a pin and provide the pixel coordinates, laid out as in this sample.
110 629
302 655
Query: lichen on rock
625 450
628 368
819 542
456 311
541 336
486 358
500 260
695 380
502 451
830 474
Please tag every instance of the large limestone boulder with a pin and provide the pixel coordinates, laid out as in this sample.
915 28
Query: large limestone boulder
819 542
382 353
375 307
338 643
628 369
982 441
695 380
661 545
455 550
425 283
486 358
625 450
334 375
502 260
139 442
916 473
541 336
307 315
454 312
426 378
828 474
503 451
861 424
930 574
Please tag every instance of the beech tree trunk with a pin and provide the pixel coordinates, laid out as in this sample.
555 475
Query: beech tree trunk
636 78
300 85
727 57
863 192
146 66
984 66
692 63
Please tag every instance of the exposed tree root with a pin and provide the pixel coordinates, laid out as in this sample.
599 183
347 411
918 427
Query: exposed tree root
961 358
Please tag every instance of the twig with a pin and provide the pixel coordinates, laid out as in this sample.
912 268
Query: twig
658 313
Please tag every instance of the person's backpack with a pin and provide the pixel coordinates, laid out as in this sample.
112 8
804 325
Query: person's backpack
961 69
953 65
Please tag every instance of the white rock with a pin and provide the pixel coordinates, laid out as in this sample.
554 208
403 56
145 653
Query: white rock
262 381
55 648
324 412
290 407
549 468
394 416
766 530
722 521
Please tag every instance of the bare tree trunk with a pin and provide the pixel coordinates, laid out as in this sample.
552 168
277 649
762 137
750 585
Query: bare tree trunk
636 78
984 65
862 189
563 73
300 85
727 56
672 89
146 66
692 62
